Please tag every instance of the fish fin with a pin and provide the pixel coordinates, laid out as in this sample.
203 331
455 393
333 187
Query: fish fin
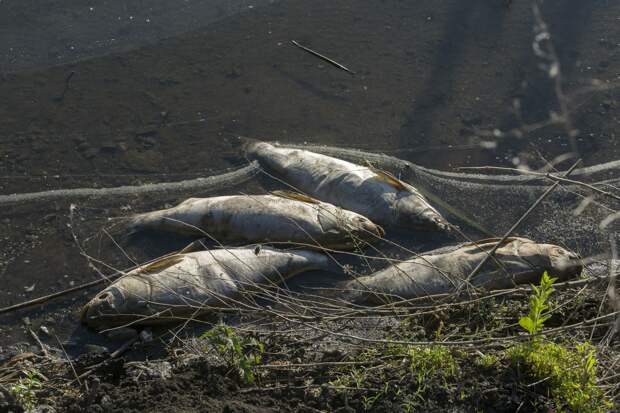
491 242
388 178
161 264
295 196
453 210
403 186
193 246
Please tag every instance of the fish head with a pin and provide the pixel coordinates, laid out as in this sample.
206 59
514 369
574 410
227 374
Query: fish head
347 226
363 228
565 264
523 255
413 211
121 303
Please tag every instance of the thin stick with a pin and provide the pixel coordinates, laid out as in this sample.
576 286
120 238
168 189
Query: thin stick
114 355
48 297
70 362
325 58
515 226
612 294
38 340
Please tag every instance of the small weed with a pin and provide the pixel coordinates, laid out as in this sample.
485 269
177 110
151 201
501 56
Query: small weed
534 321
24 389
487 361
239 353
426 363
405 379
369 400
568 375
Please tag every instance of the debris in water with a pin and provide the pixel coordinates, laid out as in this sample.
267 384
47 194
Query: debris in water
325 58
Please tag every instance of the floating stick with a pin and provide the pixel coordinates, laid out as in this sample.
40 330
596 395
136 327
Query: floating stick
325 58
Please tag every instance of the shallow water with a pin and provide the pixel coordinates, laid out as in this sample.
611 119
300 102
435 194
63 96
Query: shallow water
163 100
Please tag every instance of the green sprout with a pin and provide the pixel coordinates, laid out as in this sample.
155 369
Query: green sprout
24 389
534 321
240 353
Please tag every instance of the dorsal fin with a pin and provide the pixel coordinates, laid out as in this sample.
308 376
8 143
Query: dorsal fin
192 247
388 178
295 196
161 264
491 242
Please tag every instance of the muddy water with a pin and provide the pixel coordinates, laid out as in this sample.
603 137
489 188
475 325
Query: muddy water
162 101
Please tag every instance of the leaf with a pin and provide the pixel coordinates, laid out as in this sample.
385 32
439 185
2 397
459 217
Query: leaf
543 318
528 324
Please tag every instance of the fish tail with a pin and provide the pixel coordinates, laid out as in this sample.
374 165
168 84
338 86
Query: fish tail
349 292
126 227
328 264
250 146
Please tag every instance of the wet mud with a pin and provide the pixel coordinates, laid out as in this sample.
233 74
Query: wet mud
428 73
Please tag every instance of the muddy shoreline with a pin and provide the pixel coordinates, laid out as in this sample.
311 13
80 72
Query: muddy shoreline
429 74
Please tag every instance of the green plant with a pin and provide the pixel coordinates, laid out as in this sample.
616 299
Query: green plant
427 362
241 353
352 377
369 400
357 378
403 379
24 389
487 360
534 321
569 376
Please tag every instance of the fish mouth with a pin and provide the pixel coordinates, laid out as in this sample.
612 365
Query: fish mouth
443 225
366 229
106 303
434 224
564 263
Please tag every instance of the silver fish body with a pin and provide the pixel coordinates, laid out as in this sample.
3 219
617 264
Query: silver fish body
517 261
185 285
263 218
378 196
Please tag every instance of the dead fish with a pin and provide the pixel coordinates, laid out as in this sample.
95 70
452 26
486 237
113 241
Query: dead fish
517 261
281 217
375 194
183 285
